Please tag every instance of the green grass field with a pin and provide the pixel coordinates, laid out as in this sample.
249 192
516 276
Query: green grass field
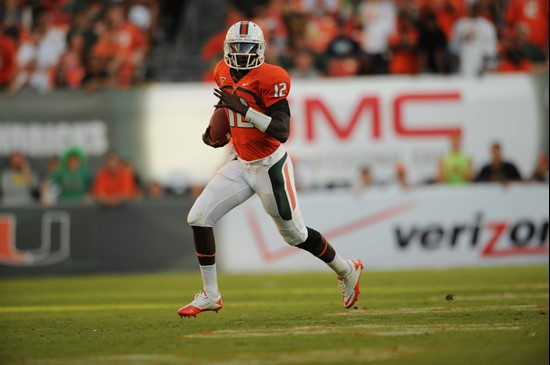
498 316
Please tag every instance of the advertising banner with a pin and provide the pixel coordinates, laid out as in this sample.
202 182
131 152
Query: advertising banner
340 125
432 227
45 125
145 236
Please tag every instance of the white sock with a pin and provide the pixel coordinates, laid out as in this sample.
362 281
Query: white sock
340 266
210 280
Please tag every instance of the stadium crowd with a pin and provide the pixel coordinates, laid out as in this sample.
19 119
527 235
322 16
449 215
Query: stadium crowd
93 44
74 43
68 178
311 38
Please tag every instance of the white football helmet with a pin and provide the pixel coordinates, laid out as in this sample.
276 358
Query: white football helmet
244 46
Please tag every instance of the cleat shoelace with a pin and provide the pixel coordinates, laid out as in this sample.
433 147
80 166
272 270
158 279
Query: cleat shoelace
200 300
344 288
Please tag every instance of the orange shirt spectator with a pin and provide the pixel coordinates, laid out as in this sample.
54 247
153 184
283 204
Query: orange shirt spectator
104 48
320 30
129 46
71 65
114 183
404 43
534 15
8 59
128 39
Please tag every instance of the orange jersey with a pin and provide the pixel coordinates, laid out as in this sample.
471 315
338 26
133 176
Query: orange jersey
260 88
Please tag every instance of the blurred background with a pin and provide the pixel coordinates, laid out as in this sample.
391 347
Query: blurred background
419 132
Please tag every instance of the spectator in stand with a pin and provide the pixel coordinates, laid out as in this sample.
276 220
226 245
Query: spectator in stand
97 74
321 27
39 56
114 184
533 15
155 190
17 182
364 182
404 46
304 66
11 14
73 179
269 17
328 6
377 18
52 166
498 170
432 44
474 42
456 167
71 66
27 63
344 54
513 59
81 23
401 175
518 38
8 58
541 170
129 44
446 12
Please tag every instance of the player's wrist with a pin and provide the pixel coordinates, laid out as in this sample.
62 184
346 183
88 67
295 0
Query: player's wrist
259 120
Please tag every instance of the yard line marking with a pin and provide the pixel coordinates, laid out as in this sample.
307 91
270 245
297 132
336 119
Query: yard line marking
135 359
228 305
269 358
78 307
373 330
375 312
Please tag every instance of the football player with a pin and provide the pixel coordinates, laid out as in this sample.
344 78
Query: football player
254 95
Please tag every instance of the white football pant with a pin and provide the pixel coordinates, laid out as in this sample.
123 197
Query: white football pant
272 178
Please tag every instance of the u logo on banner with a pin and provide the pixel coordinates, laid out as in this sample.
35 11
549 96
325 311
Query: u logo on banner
44 254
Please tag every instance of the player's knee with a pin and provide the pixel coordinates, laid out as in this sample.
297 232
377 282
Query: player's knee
197 218
295 236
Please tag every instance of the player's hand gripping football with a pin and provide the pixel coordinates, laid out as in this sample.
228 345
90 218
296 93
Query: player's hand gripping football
207 140
230 101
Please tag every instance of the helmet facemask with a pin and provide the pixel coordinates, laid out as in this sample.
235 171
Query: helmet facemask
243 54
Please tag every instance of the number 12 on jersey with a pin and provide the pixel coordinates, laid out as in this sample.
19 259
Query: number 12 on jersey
237 120
280 90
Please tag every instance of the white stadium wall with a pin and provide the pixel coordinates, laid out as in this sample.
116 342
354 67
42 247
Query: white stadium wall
339 125
388 228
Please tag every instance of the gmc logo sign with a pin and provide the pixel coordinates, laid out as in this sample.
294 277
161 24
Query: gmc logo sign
316 111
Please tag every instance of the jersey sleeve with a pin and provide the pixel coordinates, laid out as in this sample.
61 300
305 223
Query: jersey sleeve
217 71
275 86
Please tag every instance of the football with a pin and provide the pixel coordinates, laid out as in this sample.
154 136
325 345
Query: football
219 126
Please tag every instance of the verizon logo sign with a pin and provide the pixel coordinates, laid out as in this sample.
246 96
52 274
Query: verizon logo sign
495 238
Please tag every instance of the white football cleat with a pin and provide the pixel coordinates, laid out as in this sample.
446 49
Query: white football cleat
350 284
201 303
